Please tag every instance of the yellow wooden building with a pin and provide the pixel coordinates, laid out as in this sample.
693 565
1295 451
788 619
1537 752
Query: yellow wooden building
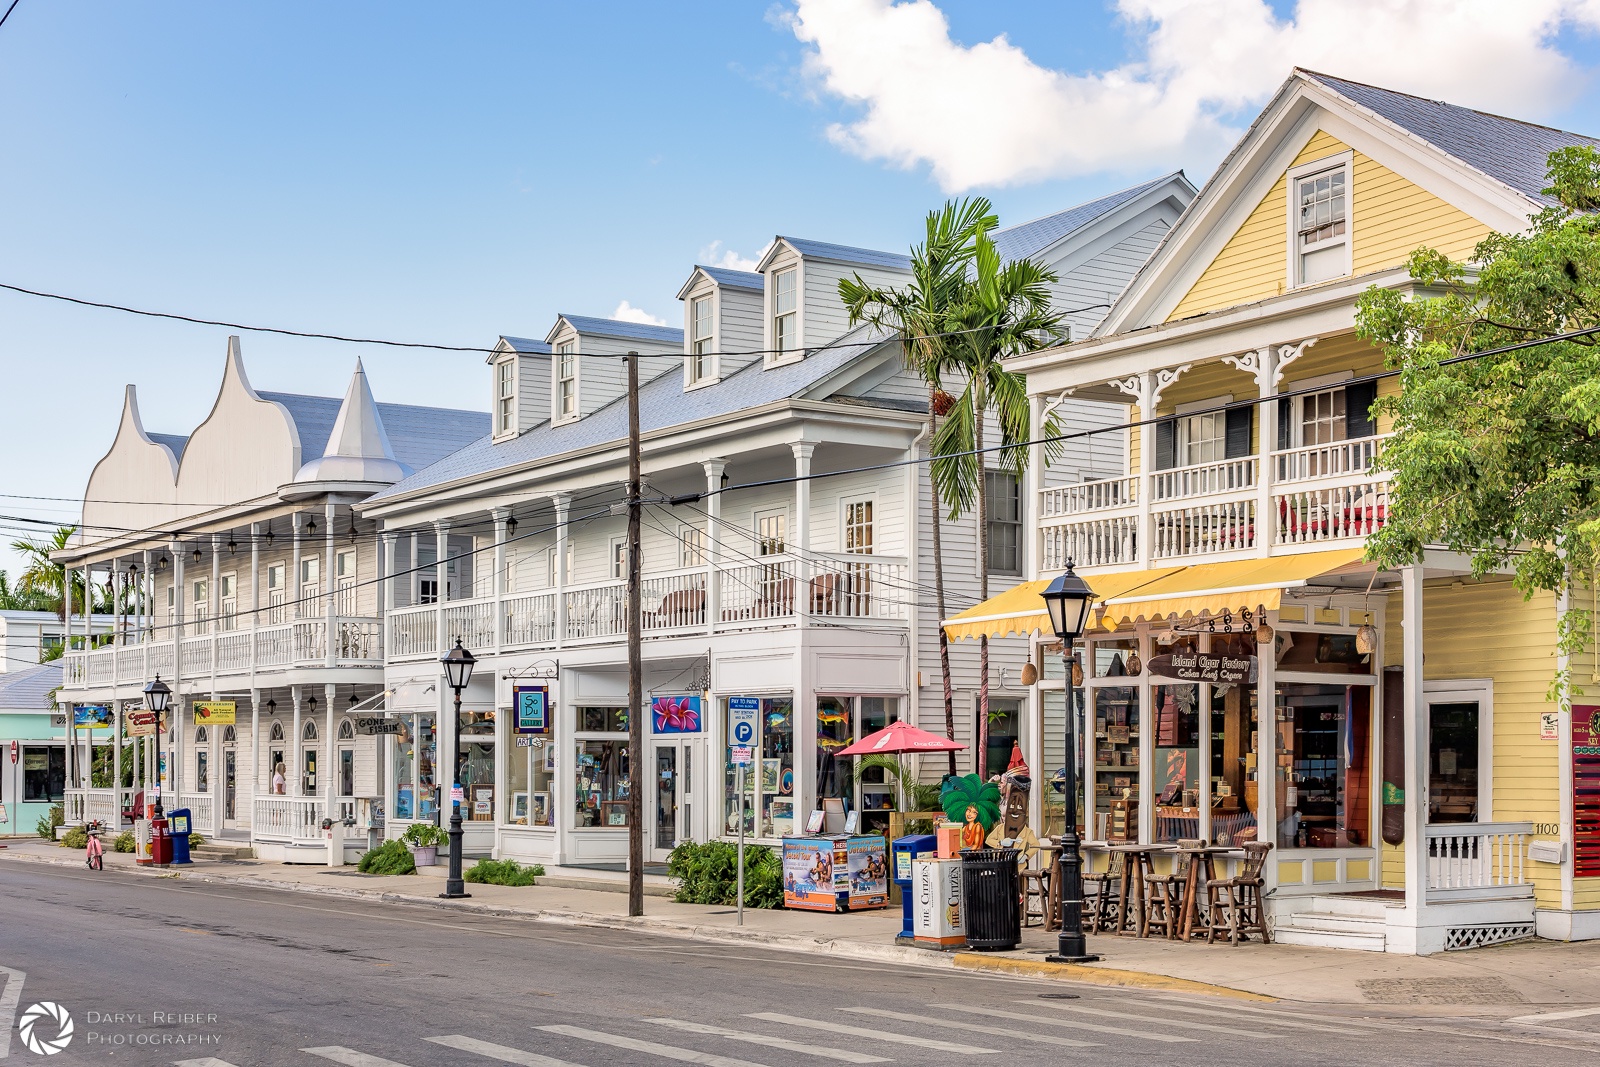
1421 791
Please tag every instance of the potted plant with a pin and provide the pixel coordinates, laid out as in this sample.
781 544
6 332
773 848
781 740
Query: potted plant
424 839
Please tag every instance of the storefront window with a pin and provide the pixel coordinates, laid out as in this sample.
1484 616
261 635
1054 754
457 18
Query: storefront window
530 777
1320 653
602 772
44 772
1005 716
476 760
414 755
1175 716
840 721
1324 770
768 783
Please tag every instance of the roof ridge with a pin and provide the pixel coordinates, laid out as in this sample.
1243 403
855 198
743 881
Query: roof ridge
1093 200
380 403
1324 77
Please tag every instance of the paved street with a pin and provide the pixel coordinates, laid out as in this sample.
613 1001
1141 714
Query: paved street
155 972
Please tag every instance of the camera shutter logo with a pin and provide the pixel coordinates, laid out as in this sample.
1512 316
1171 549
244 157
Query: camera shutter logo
31 1028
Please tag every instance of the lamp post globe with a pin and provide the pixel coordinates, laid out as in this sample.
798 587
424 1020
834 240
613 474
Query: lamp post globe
156 695
1067 599
458 664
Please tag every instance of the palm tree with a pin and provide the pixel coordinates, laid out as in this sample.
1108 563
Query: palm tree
1005 309
919 313
15 599
44 577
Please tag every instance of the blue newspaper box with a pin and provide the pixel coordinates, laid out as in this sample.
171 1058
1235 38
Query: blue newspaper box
178 828
905 850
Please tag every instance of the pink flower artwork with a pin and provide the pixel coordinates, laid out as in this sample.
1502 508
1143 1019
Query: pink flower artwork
676 715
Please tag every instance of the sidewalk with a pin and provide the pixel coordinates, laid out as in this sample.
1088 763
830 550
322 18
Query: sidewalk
1503 981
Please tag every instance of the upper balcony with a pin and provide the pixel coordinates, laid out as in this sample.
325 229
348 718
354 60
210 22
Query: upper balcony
776 591
1321 496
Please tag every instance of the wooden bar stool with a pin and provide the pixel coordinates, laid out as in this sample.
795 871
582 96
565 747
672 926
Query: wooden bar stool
1164 893
1234 904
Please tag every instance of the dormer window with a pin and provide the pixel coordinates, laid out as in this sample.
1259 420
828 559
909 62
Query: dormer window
1319 221
785 313
701 340
566 379
505 409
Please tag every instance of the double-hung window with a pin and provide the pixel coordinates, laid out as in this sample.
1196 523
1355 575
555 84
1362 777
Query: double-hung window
858 526
1320 222
566 379
785 313
701 339
506 396
692 546
1004 530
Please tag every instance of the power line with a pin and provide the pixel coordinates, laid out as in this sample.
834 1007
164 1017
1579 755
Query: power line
9 10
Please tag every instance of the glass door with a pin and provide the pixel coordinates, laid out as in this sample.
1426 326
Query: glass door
1457 762
230 786
672 764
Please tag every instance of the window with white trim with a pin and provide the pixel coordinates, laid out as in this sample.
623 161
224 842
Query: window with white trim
785 312
1320 223
619 558
858 526
550 559
701 340
1003 535
1205 438
692 546
505 396
228 593
566 379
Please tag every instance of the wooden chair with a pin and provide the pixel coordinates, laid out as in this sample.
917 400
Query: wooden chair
1234 904
1036 899
1164 895
1102 892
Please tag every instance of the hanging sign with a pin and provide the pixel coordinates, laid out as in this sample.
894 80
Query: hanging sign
92 717
219 712
141 724
675 715
1586 791
1205 667
742 755
377 724
531 705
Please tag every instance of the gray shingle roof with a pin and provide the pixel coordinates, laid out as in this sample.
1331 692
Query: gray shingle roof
1508 150
526 344
176 442
638 331
418 435
735 279
662 403
1030 238
866 257
28 688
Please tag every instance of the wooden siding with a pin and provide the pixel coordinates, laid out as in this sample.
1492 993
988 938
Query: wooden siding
1390 217
1099 280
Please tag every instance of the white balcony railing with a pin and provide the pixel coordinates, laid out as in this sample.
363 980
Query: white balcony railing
471 623
1314 514
287 819
1099 495
1477 859
530 619
1098 542
598 610
1329 460
1204 479
1204 529
672 600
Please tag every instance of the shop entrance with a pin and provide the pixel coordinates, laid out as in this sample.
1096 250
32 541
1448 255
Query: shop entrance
672 769
1459 751
230 788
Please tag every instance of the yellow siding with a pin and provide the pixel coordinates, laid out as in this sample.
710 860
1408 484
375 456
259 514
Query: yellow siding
1390 217
1488 631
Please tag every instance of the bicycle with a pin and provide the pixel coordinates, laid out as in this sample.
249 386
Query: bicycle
94 854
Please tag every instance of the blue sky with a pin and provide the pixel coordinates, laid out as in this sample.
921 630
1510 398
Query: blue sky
452 172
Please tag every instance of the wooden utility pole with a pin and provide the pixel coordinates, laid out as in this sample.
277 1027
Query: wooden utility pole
636 711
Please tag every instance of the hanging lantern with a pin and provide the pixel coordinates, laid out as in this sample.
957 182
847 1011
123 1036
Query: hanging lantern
1077 671
1135 664
197 554
1030 673
511 526
233 545
1263 633
1367 639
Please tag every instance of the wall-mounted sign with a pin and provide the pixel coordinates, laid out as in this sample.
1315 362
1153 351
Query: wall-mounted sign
220 712
1585 791
1549 725
529 741
377 724
92 717
676 715
531 706
1205 667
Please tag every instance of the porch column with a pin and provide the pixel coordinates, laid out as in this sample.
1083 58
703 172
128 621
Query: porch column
441 577
563 506
295 585
116 757
1267 813
802 495
330 590
147 611
1143 543
255 747
330 780
291 786
1266 519
497 587
1033 485
714 469
1416 747
388 596
414 578
255 581
175 702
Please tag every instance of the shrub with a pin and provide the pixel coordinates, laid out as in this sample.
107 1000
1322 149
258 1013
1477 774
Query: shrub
46 826
195 840
391 857
503 872
708 874
123 842
77 837
425 835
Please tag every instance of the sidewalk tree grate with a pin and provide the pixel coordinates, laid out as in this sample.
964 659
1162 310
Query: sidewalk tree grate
1439 991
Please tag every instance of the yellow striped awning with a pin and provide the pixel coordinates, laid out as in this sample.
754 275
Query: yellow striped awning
1220 588
1020 610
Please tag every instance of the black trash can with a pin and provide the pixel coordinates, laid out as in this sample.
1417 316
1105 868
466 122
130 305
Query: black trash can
993 895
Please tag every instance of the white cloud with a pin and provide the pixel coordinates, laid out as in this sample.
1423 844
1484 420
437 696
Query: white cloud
628 313
986 114
714 255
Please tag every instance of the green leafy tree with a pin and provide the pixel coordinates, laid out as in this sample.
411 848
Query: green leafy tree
1004 309
14 598
920 313
1498 457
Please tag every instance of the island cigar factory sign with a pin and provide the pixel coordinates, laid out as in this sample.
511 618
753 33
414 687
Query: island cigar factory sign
1205 667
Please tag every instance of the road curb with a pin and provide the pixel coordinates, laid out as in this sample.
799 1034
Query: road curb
1104 976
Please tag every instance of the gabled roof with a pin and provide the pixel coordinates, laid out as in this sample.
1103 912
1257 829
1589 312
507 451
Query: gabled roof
1510 151
28 688
525 344
631 331
864 257
735 279
662 403
1028 239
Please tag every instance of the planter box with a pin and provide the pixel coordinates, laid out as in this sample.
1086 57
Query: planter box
425 857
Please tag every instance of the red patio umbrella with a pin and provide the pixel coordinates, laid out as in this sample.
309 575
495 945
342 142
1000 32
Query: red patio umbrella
901 737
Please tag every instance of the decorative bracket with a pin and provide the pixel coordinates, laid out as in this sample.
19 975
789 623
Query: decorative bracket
1146 387
1267 366
1287 354
543 670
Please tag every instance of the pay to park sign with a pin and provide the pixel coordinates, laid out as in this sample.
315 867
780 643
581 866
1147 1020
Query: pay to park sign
1205 667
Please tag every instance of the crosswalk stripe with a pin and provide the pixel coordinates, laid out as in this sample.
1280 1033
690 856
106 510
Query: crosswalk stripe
774 1042
204 1061
350 1057
1023 1018
504 1053
1273 1020
977 1028
1182 1024
671 1052
876 1035
1339 1022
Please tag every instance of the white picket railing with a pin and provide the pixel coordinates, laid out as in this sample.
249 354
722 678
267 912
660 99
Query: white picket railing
757 592
530 619
1099 495
414 632
845 586
276 818
1329 460
471 622
1314 514
202 811
104 806
1098 542
672 600
1204 529
1482 858
1204 479
598 610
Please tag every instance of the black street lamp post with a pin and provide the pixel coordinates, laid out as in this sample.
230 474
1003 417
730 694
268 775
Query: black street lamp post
1067 599
155 699
458 664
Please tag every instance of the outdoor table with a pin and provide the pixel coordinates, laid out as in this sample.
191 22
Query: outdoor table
1201 858
1051 848
1138 859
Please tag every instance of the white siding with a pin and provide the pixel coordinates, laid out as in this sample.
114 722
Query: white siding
533 390
1099 280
